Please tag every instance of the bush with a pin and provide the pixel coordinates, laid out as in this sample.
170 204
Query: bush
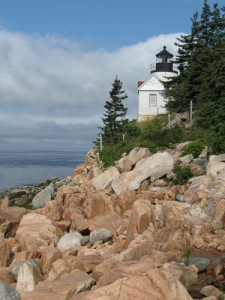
194 148
216 139
156 132
132 129
110 153
183 174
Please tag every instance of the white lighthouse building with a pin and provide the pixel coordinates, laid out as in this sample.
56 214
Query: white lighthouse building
151 92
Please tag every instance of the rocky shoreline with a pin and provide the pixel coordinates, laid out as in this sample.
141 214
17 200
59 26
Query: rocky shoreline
125 232
23 196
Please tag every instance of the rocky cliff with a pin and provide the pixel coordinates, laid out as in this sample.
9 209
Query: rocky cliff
126 232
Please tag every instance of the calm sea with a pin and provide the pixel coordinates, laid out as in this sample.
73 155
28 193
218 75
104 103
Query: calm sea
24 168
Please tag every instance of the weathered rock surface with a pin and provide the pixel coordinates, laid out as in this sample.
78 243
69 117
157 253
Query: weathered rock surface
9 220
186 159
216 163
150 223
16 267
100 234
35 231
71 240
7 292
104 180
152 167
157 284
126 163
140 218
61 289
211 291
28 278
44 196
4 251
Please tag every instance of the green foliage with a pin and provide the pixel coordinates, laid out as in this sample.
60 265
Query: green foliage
187 251
165 137
183 174
195 148
216 139
222 296
114 116
111 153
150 134
132 129
201 63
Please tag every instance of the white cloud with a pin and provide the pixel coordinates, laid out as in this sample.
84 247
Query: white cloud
52 89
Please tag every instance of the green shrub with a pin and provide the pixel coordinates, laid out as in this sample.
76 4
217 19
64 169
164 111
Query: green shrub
112 152
132 129
194 148
162 137
217 140
183 174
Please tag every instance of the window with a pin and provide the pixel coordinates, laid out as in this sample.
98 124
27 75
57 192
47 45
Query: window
152 100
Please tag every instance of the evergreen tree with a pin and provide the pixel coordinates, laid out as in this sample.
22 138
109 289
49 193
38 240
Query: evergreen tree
201 64
114 116
178 87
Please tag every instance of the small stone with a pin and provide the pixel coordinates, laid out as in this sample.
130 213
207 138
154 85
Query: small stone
186 159
220 277
180 197
100 234
7 292
200 263
17 266
210 290
69 241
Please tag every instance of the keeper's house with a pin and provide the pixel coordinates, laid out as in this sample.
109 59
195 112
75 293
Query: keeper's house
151 92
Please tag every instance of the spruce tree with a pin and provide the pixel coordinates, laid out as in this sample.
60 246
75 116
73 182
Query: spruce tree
178 88
201 64
114 116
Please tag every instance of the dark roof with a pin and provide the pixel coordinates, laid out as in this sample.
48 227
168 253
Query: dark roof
164 52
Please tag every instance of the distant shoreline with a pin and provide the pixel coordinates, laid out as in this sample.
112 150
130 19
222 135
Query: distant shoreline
28 168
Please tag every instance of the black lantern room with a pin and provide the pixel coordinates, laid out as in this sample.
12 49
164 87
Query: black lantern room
164 62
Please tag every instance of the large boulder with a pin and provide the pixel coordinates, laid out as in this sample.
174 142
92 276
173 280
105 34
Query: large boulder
28 278
157 284
126 163
187 275
64 288
35 231
44 196
104 180
141 215
152 167
49 255
16 267
216 163
9 219
71 240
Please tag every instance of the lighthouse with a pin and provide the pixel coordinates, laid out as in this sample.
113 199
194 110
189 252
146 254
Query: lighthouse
151 92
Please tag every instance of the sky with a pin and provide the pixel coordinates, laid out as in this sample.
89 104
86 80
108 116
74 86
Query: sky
59 58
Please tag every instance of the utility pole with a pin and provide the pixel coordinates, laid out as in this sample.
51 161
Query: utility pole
100 142
191 112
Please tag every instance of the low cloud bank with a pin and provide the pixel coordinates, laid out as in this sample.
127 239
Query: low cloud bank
52 90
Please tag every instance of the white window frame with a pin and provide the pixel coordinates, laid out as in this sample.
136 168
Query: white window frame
152 99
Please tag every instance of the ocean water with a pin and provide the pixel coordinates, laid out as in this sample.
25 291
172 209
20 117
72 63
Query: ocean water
25 168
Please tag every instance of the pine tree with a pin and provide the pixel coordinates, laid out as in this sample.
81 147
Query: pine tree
114 116
178 87
201 63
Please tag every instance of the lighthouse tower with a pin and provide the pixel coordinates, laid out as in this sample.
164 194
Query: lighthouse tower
151 92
